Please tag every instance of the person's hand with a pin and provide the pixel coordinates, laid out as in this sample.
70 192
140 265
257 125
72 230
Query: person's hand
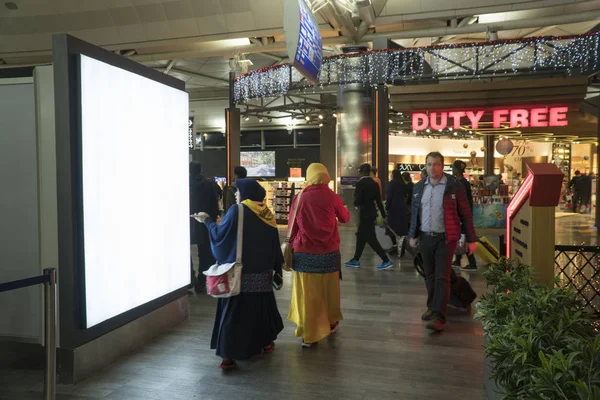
414 242
201 217
471 247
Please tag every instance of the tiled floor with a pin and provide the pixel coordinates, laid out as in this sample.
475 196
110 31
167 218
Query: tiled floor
381 350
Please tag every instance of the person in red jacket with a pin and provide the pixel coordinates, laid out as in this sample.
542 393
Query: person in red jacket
315 306
439 210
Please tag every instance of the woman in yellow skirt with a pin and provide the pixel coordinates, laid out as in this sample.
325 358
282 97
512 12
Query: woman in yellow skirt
315 307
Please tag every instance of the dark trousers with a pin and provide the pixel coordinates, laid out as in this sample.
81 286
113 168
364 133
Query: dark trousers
366 234
205 256
437 263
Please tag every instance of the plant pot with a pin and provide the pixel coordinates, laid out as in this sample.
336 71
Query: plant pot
493 391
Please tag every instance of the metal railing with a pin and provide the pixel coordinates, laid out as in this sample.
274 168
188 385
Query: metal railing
579 267
48 279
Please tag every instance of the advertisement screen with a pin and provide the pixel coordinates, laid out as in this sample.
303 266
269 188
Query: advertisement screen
134 156
258 163
303 39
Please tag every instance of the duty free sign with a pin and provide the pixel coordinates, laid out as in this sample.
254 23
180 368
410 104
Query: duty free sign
536 117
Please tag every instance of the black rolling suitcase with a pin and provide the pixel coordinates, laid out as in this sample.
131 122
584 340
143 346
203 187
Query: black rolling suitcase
461 292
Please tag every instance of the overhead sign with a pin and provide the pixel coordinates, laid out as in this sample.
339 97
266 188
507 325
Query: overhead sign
538 117
303 39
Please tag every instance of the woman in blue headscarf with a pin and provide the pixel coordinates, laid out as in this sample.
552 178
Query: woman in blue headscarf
247 324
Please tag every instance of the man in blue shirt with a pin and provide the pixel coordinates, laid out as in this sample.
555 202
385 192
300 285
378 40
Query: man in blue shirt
439 208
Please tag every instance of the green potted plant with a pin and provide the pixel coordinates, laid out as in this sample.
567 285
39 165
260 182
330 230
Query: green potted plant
539 344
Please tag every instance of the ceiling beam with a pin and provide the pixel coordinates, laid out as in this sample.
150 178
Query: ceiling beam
271 56
170 65
194 74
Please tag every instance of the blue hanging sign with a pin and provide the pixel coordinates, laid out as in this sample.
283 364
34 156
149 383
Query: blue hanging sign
303 39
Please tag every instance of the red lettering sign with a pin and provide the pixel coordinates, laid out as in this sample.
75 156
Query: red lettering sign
538 117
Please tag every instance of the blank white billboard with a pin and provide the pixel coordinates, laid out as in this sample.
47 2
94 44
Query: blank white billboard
134 154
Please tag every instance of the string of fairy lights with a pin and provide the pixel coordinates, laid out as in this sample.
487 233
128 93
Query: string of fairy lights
568 54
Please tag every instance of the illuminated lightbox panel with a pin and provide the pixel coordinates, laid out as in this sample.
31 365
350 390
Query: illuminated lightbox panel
134 155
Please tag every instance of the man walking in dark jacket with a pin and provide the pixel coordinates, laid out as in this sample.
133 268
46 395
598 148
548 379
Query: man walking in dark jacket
458 170
203 198
229 195
366 197
439 208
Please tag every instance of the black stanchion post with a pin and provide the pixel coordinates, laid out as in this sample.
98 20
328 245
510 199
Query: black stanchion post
50 334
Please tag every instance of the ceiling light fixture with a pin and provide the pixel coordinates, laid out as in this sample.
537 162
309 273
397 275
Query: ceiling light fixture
320 116
334 115
307 118
247 118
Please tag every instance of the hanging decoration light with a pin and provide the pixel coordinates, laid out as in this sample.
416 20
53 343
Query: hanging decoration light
449 61
504 146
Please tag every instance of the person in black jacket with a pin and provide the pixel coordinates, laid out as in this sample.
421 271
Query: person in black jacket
397 210
366 198
203 198
229 195
458 170
409 189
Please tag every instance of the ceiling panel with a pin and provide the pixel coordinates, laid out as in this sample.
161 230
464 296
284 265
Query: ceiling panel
211 25
132 33
240 21
434 5
236 6
124 16
206 8
274 10
157 30
149 13
118 3
394 7
29 8
175 10
184 28
75 6
98 36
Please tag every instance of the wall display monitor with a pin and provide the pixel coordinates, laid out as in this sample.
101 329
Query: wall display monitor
135 208
303 39
258 163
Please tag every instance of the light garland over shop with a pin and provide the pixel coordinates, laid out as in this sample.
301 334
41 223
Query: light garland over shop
569 54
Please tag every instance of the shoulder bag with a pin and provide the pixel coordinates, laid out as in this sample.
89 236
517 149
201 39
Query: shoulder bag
225 280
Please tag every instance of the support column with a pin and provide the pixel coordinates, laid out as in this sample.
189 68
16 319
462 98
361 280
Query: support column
232 132
489 155
354 138
598 173
328 154
381 134
355 124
